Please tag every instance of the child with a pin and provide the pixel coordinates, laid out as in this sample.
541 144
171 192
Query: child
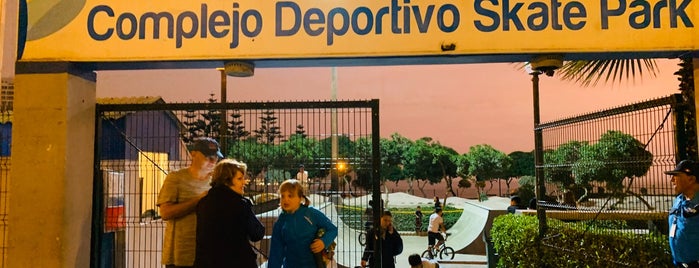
295 234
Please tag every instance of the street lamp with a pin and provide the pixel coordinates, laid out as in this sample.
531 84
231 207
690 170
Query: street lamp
546 64
235 69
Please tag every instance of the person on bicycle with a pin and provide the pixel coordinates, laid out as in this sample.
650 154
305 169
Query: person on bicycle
436 224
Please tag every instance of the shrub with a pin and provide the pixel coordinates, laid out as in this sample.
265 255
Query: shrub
570 245
403 218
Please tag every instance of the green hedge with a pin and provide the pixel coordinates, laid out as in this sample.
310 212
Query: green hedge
403 218
569 245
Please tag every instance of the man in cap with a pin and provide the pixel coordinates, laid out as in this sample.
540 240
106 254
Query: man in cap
683 218
178 198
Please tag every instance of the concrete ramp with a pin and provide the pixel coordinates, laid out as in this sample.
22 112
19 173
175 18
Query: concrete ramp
467 234
348 252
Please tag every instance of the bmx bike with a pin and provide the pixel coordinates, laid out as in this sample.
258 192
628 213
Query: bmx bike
444 252
362 235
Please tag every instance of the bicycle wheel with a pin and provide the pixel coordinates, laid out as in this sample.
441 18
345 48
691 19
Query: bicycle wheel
362 239
446 253
427 254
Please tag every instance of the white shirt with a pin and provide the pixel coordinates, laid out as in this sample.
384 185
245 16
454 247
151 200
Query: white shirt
435 222
302 177
428 263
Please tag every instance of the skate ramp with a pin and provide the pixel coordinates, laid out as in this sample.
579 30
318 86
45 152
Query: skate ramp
466 234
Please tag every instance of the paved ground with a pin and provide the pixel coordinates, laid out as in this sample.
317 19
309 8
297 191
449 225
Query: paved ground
412 244
418 244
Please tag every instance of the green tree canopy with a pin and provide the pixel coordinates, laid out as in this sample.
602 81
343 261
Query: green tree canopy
487 163
613 158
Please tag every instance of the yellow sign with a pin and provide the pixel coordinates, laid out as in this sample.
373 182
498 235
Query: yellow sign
147 30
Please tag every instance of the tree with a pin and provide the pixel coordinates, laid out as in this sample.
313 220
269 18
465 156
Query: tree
445 158
300 130
206 124
590 72
419 164
559 163
615 157
686 87
258 156
462 166
299 149
522 165
236 127
487 163
268 131
344 151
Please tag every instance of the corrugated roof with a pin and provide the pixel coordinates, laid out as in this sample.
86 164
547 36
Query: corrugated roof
127 100
131 100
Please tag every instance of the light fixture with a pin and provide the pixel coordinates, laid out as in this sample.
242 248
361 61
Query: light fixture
239 68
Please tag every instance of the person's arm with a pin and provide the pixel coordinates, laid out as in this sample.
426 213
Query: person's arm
368 248
442 225
172 210
255 229
330 231
330 228
395 239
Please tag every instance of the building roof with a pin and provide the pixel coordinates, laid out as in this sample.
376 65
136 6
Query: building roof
128 100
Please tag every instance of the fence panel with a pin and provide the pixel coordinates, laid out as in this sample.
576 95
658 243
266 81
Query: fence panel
604 170
140 143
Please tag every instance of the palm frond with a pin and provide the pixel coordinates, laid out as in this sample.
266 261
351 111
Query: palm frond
590 72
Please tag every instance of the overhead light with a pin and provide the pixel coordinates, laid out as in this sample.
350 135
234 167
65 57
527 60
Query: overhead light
239 68
547 63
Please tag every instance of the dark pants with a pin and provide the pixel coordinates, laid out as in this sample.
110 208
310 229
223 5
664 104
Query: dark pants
175 266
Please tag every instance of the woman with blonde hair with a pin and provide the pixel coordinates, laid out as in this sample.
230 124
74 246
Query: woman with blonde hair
225 221
296 237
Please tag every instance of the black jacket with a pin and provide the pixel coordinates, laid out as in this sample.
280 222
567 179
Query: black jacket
225 225
391 246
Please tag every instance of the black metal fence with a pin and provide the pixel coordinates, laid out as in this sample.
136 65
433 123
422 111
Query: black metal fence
605 169
138 144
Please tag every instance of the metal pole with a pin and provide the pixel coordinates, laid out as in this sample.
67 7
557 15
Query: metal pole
334 176
538 156
224 122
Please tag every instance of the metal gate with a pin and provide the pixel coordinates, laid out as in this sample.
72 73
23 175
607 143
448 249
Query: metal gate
140 140
605 170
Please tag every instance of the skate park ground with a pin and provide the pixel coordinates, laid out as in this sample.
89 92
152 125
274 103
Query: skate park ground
418 244
465 236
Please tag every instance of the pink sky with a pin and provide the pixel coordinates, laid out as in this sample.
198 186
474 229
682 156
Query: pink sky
459 105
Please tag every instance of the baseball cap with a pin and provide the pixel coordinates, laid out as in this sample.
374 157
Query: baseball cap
688 167
206 146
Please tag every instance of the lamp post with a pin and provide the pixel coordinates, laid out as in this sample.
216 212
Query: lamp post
538 154
236 69
223 128
545 64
